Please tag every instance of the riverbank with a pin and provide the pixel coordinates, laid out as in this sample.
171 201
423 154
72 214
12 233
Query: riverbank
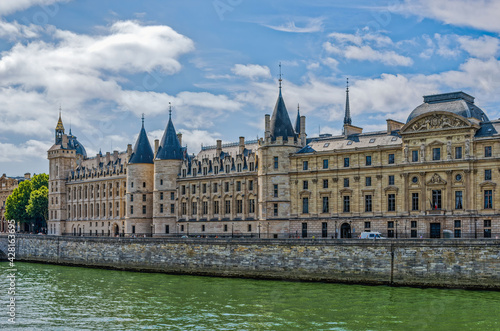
470 264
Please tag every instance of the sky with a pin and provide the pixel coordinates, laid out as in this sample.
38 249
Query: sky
105 63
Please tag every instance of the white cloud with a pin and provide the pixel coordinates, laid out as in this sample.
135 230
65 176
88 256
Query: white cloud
14 30
311 25
11 6
252 71
483 47
478 14
22 152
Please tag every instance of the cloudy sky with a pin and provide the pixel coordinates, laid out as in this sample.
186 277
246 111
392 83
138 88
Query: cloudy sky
107 62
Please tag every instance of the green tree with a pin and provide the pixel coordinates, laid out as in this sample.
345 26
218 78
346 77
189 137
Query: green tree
15 206
38 207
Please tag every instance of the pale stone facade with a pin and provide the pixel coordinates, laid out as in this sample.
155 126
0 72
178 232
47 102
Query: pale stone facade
7 186
433 176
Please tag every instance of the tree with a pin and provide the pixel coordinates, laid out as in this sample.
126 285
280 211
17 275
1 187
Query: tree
28 203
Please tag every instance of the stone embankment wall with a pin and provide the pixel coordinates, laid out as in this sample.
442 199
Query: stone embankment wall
473 264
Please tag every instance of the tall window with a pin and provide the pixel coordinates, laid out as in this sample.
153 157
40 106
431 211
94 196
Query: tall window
205 207
325 183
161 208
228 207
487 228
414 156
275 190
305 184
436 154
275 162
346 162
204 188
458 230
458 200
250 185
194 208
184 208
172 196
325 164
487 151
414 201
436 199
216 207
238 186
251 206
305 165
305 205
215 188
391 202
239 206
391 159
487 174
144 209
252 166
193 189
347 204
391 179
326 206
488 199
368 160
226 186
368 181
161 195
368 203
275 209
458 152
346 182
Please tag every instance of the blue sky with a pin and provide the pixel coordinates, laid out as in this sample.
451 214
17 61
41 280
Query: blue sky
107 62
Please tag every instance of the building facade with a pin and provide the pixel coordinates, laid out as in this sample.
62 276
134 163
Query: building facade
7 186
433 176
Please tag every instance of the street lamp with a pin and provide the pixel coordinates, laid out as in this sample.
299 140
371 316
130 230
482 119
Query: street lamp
350 229
397 229
267 230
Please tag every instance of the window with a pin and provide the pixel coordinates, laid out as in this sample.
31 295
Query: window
204 188
238 168
216 170
193 189
487 229
131 185
216 207
239 206
183 189
436 199
326 205
487 151
161 181
144 197
184 208
458 200
252 166
203 228
182 227
458 152
184 173
131 198
368 203
143 209
368 225
228 168
275 190
226 186
133 228
305 165
487 174
131 209
457 233
391 202
238 186
436 154
390 231
205 207
346 182
215 188
161 195
275 162
413 224
250 185
225 227
172 209
458 223
249 227
325 164
228 207
349 142
143 184
275 209
167 228
172 196
487 223
346 162
368 181
161 208
326 145
325 183
372 140
347 204
488 201
414 156
391 159
305 205
251 206
368 160
391 179
414 201
324 229
305 184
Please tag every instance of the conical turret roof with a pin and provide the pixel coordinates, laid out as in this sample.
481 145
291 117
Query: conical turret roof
60 125
170 147
143 153
297 121
281 126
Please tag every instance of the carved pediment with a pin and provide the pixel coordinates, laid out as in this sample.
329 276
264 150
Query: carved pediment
391 188
436 180
346 191
435 121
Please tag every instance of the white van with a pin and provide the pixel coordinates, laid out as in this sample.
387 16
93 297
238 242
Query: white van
371 235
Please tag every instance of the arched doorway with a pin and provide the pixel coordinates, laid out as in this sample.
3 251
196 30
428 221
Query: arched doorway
116 230
345 230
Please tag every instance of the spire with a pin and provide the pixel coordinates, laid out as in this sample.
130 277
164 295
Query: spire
60 125
280 80
347 116
142 153
281 126
170 147
297 121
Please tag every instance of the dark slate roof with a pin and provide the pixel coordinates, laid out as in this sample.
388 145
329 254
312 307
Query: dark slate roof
170 148
73 143
306 149
281 126
459 103
143 153
297 121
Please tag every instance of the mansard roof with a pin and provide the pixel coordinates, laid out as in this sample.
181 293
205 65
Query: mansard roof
281 126
143 153
170 148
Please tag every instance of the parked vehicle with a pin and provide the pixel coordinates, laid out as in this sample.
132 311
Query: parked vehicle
371 235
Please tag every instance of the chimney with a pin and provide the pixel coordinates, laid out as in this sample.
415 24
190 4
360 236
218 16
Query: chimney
303 134
108 157
241 145
179 137
26 175
98 159
157 144
219 147
129 151
268 126
115 155
393 125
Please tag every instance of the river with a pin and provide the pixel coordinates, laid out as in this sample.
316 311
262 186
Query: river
51 297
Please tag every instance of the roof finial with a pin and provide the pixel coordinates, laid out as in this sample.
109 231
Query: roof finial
347 116
298 106
142 119
280 80
169 110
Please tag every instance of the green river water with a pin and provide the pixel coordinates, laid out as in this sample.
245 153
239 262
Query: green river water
50 297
